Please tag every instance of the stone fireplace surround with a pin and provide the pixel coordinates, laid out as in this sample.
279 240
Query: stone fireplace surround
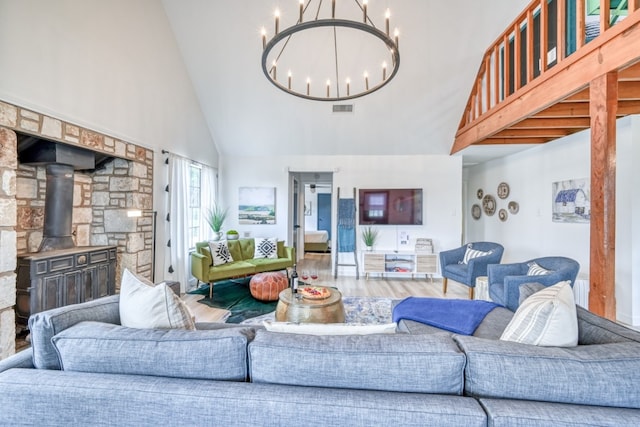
101 200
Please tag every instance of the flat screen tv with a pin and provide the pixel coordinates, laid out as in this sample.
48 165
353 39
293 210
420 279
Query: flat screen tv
391 206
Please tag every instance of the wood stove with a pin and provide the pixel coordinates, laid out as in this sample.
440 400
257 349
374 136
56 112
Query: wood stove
60 273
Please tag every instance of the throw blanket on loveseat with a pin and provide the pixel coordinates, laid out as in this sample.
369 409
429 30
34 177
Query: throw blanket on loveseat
455 315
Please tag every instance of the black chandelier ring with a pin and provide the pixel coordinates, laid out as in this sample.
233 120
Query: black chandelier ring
318 23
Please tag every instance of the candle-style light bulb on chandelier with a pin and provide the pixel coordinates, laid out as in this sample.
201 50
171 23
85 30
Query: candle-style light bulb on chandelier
319 47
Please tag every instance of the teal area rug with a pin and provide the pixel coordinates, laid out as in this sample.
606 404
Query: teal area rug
235 296
359 310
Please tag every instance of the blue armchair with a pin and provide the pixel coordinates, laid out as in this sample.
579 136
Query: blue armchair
452 266
505 279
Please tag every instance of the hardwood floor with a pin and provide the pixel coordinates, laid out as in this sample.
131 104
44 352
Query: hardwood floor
348 286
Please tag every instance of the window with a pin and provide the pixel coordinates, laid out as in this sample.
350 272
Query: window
195 205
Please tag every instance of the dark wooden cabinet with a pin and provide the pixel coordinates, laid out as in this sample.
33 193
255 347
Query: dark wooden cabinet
61 277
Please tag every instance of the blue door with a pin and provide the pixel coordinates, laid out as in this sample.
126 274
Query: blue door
324 212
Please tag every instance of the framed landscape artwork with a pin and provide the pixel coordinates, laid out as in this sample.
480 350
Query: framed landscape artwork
257 205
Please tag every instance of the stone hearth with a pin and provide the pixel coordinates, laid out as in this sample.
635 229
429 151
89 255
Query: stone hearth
101 200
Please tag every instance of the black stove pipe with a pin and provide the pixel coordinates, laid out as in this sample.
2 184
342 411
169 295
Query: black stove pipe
58 208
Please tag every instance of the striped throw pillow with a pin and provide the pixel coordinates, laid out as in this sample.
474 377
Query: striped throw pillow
473 253
536 270
547 318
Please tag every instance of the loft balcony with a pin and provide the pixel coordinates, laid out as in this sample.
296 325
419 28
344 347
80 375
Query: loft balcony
534 81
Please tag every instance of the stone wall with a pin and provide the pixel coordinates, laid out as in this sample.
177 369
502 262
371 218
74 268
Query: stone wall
102 202
8 164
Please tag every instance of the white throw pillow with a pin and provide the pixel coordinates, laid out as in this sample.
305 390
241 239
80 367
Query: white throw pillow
473 253
266 248
329 328
536 270
547 318
145 306
220 252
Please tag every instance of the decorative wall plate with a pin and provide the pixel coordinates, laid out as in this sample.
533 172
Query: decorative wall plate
502 214
476 211
489 204
479 193
513 207
503 190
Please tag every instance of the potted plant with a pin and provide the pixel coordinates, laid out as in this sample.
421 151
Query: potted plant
232 235
215 219
369 236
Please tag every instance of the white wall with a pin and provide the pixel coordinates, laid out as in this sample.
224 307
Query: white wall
112 66
531 233
440 177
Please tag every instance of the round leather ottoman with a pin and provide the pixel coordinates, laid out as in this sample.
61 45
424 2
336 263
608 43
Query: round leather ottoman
267 286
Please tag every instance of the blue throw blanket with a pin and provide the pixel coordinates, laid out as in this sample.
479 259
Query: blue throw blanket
455 315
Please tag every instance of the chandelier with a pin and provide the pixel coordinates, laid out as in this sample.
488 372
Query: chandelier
324 58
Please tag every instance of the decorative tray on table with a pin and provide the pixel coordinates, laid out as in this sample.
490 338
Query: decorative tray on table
314 292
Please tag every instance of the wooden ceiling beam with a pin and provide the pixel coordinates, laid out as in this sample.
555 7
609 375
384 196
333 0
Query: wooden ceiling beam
632 72
553 123
569 109
626 108
629 90
513 141
533 133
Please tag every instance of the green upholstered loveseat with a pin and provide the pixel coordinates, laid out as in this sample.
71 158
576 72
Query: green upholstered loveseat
243 263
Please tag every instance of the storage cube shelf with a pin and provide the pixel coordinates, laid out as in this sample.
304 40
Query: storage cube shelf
396 262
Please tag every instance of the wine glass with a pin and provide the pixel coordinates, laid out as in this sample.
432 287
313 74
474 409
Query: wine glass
314 274
304 275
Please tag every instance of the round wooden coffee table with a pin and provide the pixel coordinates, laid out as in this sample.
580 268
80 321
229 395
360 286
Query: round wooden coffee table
303 310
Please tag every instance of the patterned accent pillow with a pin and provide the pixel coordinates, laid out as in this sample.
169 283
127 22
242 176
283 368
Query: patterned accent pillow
536 270
220 252
547 318
266 248
473 253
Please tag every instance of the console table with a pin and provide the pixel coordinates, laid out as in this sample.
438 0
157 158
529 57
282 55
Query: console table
400 262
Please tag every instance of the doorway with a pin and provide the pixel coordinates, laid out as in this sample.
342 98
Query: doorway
311 211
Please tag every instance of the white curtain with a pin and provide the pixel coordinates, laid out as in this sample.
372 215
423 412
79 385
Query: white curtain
177 257
209 196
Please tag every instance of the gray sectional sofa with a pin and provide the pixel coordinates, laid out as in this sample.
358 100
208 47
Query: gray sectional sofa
86 369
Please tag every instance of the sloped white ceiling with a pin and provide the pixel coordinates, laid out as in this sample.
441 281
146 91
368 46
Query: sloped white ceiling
441 45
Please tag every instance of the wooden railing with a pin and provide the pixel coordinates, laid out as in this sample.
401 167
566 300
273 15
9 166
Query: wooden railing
541 37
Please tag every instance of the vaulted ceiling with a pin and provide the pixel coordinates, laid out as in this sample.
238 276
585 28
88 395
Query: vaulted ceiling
418 112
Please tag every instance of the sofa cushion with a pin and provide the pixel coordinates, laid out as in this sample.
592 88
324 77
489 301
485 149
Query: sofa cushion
508 413
44 325
603 375
594 329
422 364
242 249
105 348
79 398
265 264
143 305
329 328
546 318
220 252
265 248
231 269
